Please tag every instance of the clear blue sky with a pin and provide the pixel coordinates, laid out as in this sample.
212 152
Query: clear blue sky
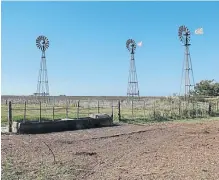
87 53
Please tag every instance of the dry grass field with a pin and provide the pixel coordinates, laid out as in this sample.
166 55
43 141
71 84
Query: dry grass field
181 150
144 109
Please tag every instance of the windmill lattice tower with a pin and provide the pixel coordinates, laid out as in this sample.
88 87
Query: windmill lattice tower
42 86
187 72
133 90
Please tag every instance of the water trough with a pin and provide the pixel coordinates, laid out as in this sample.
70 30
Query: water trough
34 127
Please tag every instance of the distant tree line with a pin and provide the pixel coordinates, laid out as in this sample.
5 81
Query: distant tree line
206 88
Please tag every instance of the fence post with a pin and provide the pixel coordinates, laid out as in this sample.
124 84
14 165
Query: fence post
209 109
9 117
202 113
88 107
78 105
179 108
217 105
119 111
144 110
112 111
196 111
154 110
40 112
66 110
54 101
98 107
53 113
171 107
25 110
193 110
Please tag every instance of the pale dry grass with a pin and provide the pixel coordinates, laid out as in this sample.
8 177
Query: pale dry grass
148 109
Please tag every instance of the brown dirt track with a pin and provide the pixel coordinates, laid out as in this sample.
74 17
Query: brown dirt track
176 150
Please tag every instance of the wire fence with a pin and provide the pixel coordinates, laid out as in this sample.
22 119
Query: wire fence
167 109
41 111
121 110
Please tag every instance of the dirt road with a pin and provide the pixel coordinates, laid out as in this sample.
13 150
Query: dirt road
127 152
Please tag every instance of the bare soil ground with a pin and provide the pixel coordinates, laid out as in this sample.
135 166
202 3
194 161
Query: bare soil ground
173 150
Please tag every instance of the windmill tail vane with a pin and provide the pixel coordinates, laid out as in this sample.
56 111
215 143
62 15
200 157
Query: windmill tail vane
199 31
140 44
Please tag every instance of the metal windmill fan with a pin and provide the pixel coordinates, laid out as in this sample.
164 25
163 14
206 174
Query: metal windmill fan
184 34
42 43
130 44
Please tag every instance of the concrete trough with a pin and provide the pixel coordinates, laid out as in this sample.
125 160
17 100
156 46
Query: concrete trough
35 127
